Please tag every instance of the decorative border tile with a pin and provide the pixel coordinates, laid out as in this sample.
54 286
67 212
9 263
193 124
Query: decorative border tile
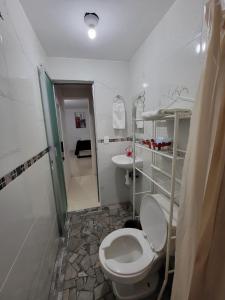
5 180
126 139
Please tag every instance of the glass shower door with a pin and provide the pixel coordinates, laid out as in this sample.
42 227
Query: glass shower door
52 133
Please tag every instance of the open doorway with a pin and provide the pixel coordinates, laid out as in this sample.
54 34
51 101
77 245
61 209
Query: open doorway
75 109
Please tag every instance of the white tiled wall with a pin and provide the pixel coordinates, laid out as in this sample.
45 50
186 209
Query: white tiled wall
168 58
110 78
28 230
112 179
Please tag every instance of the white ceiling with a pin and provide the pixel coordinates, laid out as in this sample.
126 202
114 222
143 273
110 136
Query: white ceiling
76 104
123 26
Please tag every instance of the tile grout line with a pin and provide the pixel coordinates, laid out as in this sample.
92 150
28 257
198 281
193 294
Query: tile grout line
113 140
9 177
18 254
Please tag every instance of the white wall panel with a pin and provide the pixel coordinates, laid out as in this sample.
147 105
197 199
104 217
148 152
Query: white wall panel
28 229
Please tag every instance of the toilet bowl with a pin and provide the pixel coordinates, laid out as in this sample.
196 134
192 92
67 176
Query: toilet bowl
128 255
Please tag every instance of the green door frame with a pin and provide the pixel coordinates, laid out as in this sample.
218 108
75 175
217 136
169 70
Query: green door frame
54 144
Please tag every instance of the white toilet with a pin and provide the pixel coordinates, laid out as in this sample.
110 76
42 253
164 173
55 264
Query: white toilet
131 258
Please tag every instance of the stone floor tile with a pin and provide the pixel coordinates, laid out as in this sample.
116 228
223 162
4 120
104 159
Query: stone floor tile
99 275
53 296
73 258
82 274
79 259
91 272
85 295
70 272
94 258
72 294
82 252
86 263
93 248
60 295
76 266
90 284
66 294
110 296
60 281
80 283
101 290
69 284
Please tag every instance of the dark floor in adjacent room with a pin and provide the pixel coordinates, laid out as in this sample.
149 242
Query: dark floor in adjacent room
77 274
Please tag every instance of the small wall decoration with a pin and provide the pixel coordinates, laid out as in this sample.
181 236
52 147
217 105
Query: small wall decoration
80 119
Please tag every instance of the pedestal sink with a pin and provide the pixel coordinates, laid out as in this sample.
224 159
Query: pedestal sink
124 162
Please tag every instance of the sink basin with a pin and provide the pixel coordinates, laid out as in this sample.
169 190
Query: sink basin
125 162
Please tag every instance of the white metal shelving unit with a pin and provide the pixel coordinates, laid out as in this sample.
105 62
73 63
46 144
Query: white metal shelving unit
167 203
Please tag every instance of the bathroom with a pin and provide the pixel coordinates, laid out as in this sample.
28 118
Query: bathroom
149 53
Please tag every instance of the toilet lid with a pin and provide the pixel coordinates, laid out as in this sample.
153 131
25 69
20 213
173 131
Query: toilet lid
153 223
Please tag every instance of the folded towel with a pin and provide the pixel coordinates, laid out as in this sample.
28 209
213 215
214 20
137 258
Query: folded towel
139 112
162 112
119 115
152 114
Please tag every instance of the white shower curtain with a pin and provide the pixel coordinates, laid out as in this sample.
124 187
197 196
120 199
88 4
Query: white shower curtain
200 254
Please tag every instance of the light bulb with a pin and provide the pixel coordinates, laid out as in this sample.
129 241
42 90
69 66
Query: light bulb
92 33
145 85
198 48
204 47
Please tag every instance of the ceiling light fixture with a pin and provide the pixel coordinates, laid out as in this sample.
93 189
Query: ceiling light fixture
91 20
145 85
92 33
203 47
198 48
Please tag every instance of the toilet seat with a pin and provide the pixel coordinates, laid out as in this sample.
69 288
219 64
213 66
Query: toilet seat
127 255
137 263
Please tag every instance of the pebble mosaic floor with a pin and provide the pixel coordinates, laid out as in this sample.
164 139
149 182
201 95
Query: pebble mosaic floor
77 273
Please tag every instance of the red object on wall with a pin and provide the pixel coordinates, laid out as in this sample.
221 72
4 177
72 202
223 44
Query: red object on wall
129 151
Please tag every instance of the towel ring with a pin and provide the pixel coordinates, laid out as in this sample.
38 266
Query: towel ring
140 99
119 99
